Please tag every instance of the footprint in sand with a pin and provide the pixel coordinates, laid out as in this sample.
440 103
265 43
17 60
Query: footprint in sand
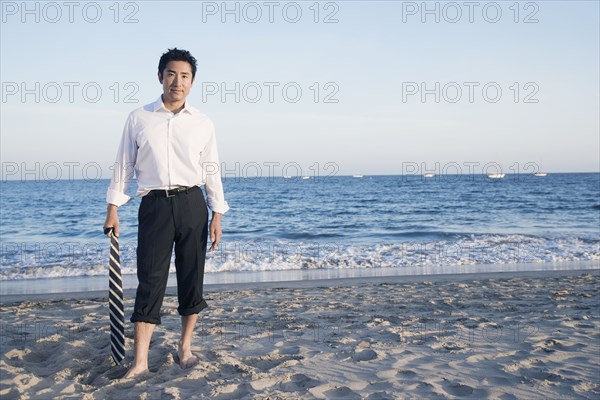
226 371
453 346
422 390
380 396
541 375
458 389
330 391
497 381
264 383
289 350
232 391
266 363
102 375
406 374
365 355
209 355
298 383
507 396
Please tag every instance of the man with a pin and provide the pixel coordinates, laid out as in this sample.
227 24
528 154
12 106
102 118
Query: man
172 149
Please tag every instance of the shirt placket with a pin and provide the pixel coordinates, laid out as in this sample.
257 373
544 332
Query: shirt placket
169 134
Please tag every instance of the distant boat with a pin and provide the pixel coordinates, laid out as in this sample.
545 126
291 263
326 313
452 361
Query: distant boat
428 175
540 174
287 177
496 176
357 176
306 177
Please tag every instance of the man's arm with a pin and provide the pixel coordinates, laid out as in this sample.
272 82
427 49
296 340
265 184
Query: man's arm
214 190
123 173
112 219
211 167
214 229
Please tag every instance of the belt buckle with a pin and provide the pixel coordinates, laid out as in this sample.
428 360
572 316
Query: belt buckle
167 195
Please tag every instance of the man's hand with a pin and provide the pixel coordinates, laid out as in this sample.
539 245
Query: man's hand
215 230
112 219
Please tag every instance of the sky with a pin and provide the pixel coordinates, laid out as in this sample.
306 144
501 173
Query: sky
306 88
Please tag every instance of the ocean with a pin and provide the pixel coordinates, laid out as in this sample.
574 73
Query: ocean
53 229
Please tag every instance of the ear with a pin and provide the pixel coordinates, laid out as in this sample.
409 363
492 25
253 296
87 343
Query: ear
160 77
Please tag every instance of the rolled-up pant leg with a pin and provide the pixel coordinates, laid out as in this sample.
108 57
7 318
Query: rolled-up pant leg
156 233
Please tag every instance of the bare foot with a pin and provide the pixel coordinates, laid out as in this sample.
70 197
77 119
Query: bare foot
135 371
189 362
187 359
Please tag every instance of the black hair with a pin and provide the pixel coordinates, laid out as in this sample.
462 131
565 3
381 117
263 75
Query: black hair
176 54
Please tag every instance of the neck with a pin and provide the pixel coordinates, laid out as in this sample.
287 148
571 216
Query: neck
174 107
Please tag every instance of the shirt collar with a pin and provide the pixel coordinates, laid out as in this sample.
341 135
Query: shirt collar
160 106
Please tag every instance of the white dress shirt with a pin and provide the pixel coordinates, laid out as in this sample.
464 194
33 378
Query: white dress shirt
167 150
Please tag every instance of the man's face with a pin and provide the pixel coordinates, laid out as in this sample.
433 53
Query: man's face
176 80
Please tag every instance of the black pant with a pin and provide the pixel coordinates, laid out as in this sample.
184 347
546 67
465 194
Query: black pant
163 221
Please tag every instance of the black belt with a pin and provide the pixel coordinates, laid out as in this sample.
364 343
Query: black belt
172 192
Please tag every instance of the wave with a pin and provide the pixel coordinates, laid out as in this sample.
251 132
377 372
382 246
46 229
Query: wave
421 234
52 260
309 236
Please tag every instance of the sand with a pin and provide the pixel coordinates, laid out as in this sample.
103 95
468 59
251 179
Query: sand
501 336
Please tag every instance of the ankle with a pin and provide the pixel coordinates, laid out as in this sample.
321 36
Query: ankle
139 365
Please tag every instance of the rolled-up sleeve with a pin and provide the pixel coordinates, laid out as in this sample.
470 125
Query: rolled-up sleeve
124 166
212 177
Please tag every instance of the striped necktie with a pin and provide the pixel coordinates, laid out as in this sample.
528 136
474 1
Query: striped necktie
115 302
